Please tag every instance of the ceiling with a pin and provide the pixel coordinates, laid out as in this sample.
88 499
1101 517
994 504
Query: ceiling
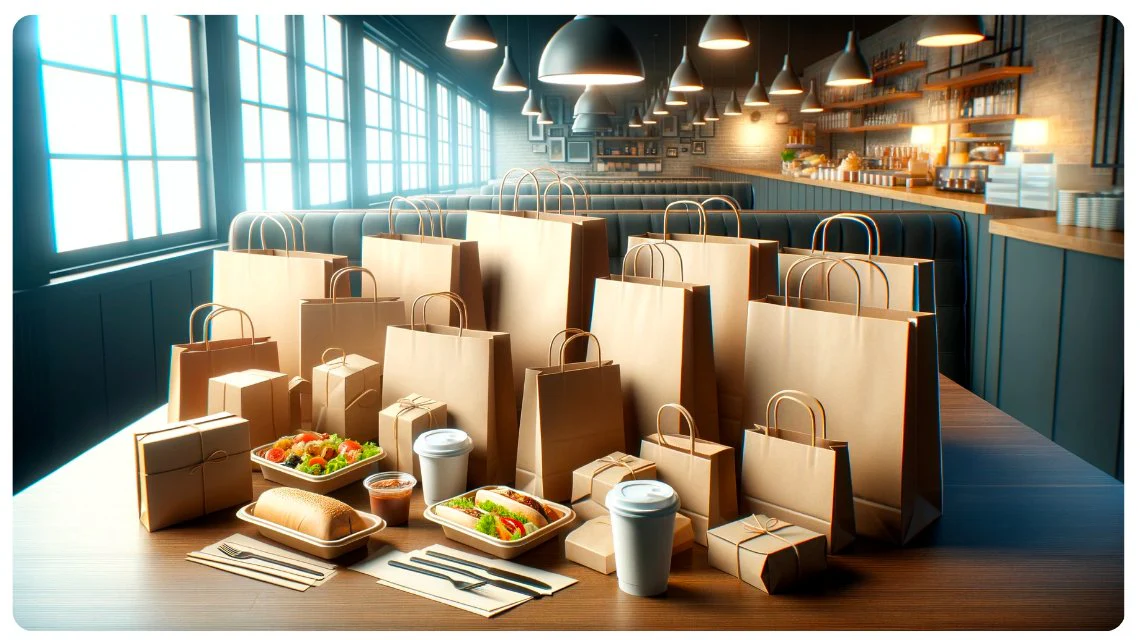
813 38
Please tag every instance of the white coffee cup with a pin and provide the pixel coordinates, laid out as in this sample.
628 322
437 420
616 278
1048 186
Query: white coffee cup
443 457
642 513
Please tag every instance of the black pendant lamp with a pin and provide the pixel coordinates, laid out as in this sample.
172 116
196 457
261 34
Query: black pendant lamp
685 77
647 109
711 114
544 115
950 31
757 96
590 50
593 100
508 79
811 103
724 32
659 105
532 105
732 107
591 122
698 119
787 82
635 120
471 33
850 68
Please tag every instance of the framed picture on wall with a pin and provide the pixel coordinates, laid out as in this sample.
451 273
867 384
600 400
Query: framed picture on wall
668 126
538 147
698 147
707 131
556 107
578 151
670 152
534 131
686 140
686 126
553 131
557 148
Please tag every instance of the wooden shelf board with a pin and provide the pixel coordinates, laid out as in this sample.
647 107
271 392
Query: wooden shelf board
993 138
866 102
874 127
980 119
1047 232
801 146
905 67
978 77
624 157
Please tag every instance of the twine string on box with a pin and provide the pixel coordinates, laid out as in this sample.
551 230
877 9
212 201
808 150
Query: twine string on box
768 528
406 406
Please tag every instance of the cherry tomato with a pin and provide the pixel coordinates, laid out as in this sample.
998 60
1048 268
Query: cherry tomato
513 525
275 455
348 445
317 462
307 436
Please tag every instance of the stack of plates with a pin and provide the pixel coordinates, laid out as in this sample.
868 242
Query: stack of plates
1107 212
1067 206
1083 210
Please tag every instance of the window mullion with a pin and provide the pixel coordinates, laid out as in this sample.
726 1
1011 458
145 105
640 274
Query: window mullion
123 129
299 132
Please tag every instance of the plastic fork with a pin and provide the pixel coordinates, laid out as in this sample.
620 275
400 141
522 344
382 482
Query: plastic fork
462 585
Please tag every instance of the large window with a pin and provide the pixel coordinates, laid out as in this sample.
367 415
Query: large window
119 98
380 152
413 128
443 134
484 144
465 134
266 133
325 122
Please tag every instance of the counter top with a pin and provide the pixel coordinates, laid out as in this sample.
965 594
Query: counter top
968 202
1046 231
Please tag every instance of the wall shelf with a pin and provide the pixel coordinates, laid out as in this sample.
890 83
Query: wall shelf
992 138
625 157
628 137
980 119
905 67
978 77
872 127
866 102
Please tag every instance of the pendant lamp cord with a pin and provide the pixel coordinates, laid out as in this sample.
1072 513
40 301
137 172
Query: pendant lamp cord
789 35
529 79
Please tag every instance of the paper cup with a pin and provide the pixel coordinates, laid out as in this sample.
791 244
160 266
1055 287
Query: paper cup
642 513
443 457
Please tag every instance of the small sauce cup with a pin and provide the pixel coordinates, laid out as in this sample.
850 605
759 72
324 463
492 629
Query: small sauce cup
390 496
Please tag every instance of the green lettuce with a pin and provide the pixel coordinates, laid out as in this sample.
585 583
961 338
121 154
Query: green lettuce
369 449
486 525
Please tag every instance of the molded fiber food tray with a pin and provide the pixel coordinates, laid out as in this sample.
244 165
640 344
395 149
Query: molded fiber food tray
327 549
499 548
288 477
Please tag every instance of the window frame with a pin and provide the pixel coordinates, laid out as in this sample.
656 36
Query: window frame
299 71
403 59
447 118
391 49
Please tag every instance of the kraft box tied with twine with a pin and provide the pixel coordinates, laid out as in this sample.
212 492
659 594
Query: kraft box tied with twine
591 482
346 395
187 469
767 553
403 421
261 397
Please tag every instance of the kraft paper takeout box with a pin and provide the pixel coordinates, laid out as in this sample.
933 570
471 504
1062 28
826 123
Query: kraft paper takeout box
261 397
188 469
591 482
592 544
346 397
401 423
767 561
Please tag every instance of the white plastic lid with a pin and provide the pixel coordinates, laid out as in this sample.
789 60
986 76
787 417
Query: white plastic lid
443 443
641 498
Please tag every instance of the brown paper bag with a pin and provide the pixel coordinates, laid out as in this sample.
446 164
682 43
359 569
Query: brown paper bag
356 325
471 372
571 414
269 284
188 469
538 276
767 553
736 270
660 332
300 404
401 423
876 371
703 473
407 266
261 397
592 481
193 364
886 282
799 477
346 396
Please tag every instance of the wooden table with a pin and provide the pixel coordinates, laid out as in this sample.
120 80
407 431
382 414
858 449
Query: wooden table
1031 537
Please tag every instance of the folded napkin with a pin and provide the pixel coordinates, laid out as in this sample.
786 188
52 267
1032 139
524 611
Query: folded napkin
262 570
486 601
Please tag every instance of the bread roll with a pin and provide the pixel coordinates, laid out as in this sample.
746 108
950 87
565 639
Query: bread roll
309 513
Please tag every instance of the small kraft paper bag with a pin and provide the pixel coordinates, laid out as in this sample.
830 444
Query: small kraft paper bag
571 414
401 423
802 478
736 270
876 372
471 372
188 469
261 397
703 473
357 325
193 364
592 544
269 284
409 265
886 282
592 481
660 332
346 396
767 553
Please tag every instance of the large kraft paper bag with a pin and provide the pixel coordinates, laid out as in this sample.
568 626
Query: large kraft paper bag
876 371
891 282
736 270
571 414
660 332
471 372
407 266
193 364
269 284
703 473
538 276
803 478
356 325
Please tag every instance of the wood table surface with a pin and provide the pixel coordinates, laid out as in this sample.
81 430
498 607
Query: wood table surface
1031 537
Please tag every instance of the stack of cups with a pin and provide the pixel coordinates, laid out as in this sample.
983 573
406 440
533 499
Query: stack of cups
1084 210
642 513
443 462
1067 206
1101 214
